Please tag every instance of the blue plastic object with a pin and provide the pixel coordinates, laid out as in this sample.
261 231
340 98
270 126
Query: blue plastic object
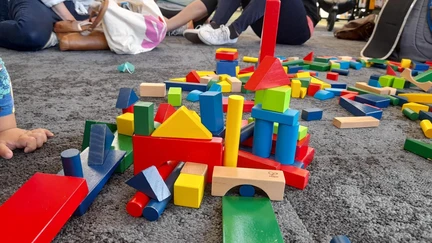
286 143
375 100
336 92
359 109
289 117
374 83
154 209
227 67
215 88
126 98
247 191
211 110
193 96
151 183
186 86
71 161
324 95
343 72
312 114
101 139
263 135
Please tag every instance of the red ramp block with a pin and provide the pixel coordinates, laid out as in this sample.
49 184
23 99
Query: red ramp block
156 151
40 208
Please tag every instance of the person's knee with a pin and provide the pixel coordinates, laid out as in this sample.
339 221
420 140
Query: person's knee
33 40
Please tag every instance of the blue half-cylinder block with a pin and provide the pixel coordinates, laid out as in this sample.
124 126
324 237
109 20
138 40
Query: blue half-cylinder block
96 176
286 143
375 100
312 114
100 142
247 190
151 183
289 117
193 96
154 209
71 161
336 92
227 67
247 132
126 98
355 65
263 137
211 111
324 95
359 109
374 83
340 239
425 116
215 88
186 86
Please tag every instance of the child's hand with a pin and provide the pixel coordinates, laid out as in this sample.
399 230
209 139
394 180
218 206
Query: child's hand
16 138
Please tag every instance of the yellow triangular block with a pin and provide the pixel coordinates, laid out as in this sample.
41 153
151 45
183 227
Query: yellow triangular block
195 116
183 124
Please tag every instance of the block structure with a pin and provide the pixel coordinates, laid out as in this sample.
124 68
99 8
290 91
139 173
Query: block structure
211 111
189 186
175 96
125 124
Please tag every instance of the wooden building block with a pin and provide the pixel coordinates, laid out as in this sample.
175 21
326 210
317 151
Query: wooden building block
416 107
386 80
249 160
37 211
303 75
372 99
151 183
303 92
125 124
406 63
312 114
289 117
269 29
101 139
236 84
182 80
355 122
195 169
126 98
186 86
398 83
425 116
425 86
324 95
424 77
206 79
193 77
226 86
365 86
175 96
233 127
295 177
332 76
250 59
313 88
164 111
124 143
211 111
412 115
359 109
276 99
269 74
182 124
272 182
426 126
193 96
295 86
418 97
226 55
143 118
418 147
152 89
250 216
189 190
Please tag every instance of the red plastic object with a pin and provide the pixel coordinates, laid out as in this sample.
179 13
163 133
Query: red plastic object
295 177
313 88
291 75
164 111
227 56
307 158
40 208
269 74
247 106
193 77
138 202
130 109
155 151
270 29
345 92
302 148
248 160
309 57
333 76
247 70
390 71
348 96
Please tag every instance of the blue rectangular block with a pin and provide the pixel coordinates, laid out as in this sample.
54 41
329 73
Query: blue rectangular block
356 65
294 69
379 65
420 66
337 85
344 64
336 92
186 86
359 109
425 116
96 176
289 117
375 76
375 100
374 83
414 73
227 67
402 100
211 111
343 72
312 114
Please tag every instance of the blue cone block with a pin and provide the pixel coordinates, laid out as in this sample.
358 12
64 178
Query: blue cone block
286 144
263 135
247 191
151 183
71 160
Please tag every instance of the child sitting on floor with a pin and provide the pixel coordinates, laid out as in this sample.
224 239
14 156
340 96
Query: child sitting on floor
12 137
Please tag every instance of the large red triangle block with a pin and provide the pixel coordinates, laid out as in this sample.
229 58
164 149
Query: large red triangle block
269 74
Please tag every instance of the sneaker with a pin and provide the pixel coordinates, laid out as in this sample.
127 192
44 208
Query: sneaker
177 32
53 41
192 34
216 37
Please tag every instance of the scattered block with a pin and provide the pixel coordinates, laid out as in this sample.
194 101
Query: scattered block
340 239
235 83
215 87
143 118
164 111
425 116
194 95
124 143
372 99
390 71
309 57
150 182
101 139
386 80
426 126
189 190
206 79
335 91
269 74
359 109
313 88
333 76
412 115
227 67
175 96
249 160
152 90
295 177
355 122
406 63
250 59
126 98
225 86
276 99
233 127
425 86
418 97
272 182
323 95
211 111
365 86
416 107
303 92
178 80
186 86
418 147
398 83
312 114
424 77
374 83
343 72
195 169
295 86
126 67
125 124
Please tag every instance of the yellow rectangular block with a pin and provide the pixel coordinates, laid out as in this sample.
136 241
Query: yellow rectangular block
245 75
223 77
237 70
250 59
418 97
303 92
178 79
236 84
205 73
303 75
125 124
325 85
189 190
416 107
152 90
295 88
285 69
406 63
226 87
226 49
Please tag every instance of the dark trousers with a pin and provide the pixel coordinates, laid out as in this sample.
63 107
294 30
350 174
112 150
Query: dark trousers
29 24
293 27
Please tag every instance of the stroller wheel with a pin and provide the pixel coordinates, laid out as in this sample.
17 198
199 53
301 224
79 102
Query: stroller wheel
331 20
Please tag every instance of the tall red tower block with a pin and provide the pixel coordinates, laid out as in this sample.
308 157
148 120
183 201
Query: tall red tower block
270 29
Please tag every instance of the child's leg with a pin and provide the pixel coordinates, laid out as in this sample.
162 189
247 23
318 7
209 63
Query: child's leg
253 10
197 10
225 9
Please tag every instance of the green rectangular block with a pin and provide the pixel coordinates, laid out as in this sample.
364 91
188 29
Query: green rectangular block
393 100
259 96
209 84
386 80
87 126
318 66
322 59
335 66
424 77
418 147
379 61
276 99
398 83
123 142
249 219
143 118
293 63
175 96
306 67
305 82
303 131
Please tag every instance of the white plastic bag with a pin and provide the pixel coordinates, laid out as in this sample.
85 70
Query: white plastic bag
129 32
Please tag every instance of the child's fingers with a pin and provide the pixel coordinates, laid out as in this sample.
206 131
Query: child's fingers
46 132
27 142
5 152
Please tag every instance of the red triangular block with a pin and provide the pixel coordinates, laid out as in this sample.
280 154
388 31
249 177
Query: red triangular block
309 57
247 70
164 112
390 71
269 74
193 77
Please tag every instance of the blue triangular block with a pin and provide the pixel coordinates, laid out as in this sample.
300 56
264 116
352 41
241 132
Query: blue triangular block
150 182
126 98
101 139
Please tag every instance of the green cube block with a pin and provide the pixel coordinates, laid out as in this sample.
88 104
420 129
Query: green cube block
398 83
293 63
386 80
144 118
123 142
318 66
245 91
259 96
277 99
335 66
275 128
302 132
175 96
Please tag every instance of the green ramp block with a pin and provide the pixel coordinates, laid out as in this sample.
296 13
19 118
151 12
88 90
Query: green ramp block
418 147
123 142
249 219
277 99
424 77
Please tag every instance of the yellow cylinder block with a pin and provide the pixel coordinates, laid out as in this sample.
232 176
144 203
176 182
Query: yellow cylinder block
426 126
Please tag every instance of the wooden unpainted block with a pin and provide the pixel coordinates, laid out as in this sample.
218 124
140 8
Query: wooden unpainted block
236 84
365 86
272 182
152 90
406 74
356 122
194 169
205 79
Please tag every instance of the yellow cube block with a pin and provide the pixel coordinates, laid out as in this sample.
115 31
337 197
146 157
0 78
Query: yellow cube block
205 73
189 190
223 77
226 87
406 63
125 124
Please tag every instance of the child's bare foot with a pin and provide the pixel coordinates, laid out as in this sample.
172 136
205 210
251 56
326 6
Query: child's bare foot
16 138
